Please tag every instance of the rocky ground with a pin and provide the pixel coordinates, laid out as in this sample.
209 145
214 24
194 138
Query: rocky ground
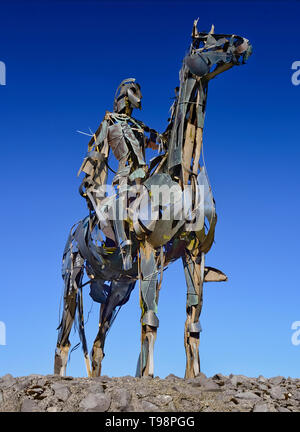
219 393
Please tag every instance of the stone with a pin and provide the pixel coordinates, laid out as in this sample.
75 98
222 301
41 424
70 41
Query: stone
246 395
29 405
148 406
220 377
163 399
210 385
206 383
188 391
283 409
146 378
121 399
263 387
262 379
276 380
35 391
261 407
7 381
102 378
62 393
96 388
172 377
57 385
235 380
172 407
20 386
277 393
141 392
197 381
95 402
7 377
52 409
42 382
295 394
34 376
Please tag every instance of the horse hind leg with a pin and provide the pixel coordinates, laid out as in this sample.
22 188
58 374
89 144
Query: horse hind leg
194 274
72 278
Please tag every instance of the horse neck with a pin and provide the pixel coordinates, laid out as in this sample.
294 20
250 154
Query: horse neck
187 127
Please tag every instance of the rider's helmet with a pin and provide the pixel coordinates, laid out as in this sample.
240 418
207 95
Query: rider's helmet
128 96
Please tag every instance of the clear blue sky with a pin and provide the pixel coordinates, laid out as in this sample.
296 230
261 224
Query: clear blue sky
64 61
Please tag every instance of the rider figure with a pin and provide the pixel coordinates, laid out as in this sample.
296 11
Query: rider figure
125 136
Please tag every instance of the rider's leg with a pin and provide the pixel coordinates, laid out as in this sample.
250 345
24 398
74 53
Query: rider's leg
194 274
122 238
72 277
120 214
118 295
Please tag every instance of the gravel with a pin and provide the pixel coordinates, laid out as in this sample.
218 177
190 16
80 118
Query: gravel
51 393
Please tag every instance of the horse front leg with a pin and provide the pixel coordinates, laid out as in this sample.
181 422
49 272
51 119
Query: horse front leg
98 346
194 274
72 278
149 333
149 291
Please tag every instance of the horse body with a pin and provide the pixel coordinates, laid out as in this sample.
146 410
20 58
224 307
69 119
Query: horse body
183 226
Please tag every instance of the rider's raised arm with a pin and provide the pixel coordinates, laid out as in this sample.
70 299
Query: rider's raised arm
98 148
94 164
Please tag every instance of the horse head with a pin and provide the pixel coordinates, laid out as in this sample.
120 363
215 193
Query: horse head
211 54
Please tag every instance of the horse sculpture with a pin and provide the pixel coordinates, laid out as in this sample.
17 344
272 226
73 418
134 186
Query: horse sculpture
119 242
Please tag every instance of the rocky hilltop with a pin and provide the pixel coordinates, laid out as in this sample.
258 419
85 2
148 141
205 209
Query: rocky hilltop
173 394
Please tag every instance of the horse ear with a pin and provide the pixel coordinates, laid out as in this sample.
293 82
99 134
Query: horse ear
195 30
212 30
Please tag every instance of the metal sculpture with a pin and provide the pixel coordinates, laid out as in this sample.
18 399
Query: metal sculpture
152 215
